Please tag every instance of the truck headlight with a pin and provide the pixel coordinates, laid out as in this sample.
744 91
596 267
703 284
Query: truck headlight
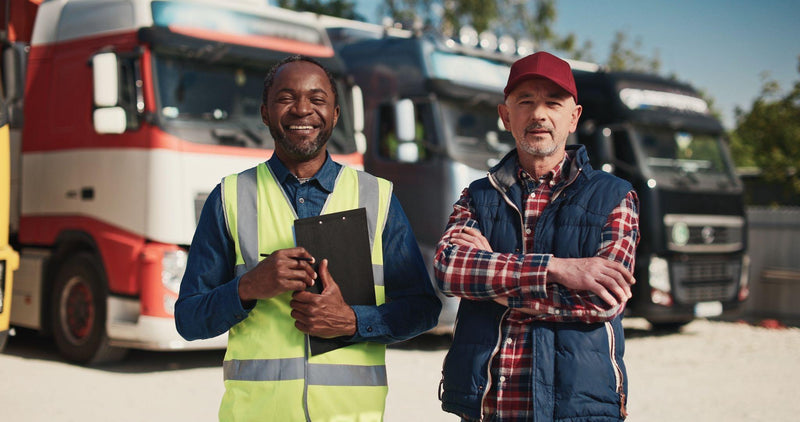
173 265
658 274
680 234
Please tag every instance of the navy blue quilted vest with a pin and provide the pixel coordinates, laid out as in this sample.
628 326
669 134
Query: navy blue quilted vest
579 374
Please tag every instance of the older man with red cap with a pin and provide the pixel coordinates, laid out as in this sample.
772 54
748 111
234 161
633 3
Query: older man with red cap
541 253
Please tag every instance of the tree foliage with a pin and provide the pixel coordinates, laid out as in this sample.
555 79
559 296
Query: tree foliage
624 57
768 136
340 8
533 20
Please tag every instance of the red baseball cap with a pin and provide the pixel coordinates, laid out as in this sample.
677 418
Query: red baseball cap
542 65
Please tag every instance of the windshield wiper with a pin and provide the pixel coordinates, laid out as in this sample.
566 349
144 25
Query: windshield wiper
229 137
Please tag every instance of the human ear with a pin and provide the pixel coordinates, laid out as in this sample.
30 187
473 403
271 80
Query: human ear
502 110
264 115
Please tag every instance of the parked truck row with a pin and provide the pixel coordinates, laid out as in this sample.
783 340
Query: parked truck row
124 114
432 126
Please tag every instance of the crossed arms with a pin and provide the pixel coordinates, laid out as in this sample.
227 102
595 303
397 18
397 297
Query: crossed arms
590 289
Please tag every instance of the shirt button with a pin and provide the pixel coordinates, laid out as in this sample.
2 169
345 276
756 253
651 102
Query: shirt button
301 200
528 231
502 379
533 194
369 329
509 341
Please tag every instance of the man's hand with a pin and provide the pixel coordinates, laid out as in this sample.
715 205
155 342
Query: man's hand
609 280
282 271
324 315
471 237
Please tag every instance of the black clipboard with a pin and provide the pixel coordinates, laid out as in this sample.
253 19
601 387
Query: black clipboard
343 239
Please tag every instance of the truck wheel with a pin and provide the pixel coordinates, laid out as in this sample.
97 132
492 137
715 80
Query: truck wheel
668 327
78 307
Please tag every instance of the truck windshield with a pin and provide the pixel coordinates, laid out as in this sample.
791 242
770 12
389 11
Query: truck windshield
219 103
478 138
686 158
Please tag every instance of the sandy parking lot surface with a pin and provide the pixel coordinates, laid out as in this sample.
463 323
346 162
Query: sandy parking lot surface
712 371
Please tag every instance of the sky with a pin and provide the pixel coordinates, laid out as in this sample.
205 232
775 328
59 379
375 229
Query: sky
719 46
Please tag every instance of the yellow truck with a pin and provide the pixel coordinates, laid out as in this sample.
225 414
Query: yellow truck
9 259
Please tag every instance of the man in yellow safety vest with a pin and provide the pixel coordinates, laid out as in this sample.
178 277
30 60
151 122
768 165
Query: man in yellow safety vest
244 274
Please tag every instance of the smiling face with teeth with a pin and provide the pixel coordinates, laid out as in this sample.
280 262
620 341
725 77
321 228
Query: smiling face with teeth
300 112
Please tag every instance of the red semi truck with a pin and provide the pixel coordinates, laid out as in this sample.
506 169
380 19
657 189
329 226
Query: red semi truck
124 115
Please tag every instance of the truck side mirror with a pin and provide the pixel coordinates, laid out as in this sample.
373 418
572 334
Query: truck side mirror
108 116
109 120
14 64
405 121
406 131
408 152
358 119
105 79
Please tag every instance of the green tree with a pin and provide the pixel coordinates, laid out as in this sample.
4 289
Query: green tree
768 136
623 57
339 8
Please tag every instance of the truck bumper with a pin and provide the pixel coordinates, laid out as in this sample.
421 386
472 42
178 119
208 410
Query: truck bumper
126 328
683 313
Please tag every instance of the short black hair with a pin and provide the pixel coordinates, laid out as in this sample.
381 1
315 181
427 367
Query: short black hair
297 58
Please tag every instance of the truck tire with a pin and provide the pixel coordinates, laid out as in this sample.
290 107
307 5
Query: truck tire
669 327
78 305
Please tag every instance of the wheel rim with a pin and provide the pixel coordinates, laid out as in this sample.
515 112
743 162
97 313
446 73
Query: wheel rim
77 310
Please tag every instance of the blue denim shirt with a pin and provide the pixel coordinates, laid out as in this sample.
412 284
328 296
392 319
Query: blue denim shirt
208 303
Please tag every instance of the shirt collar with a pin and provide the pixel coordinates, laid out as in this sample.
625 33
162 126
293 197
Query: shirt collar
554 176
325 177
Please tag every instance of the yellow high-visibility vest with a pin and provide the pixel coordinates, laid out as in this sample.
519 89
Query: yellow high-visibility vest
269 374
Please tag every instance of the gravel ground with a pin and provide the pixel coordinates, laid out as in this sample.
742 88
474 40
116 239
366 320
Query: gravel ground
711 371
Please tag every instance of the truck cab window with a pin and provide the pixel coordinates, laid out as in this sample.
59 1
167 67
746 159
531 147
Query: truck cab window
623 148
477 137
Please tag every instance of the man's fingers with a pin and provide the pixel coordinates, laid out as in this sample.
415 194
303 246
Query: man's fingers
624 279
472 238
325 275
623 272
478 237
606 296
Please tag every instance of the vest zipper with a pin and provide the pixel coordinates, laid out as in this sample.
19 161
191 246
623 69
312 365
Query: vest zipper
505 313
305 377
612 350
491 358
514 206
566 185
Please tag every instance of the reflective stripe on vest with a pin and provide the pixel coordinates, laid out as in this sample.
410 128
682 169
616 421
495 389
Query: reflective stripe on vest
293 369
266 365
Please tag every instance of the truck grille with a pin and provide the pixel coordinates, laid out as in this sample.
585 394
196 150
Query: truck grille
706 280
704 233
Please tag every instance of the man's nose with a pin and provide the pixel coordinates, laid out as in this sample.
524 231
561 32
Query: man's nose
538 113
302 107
